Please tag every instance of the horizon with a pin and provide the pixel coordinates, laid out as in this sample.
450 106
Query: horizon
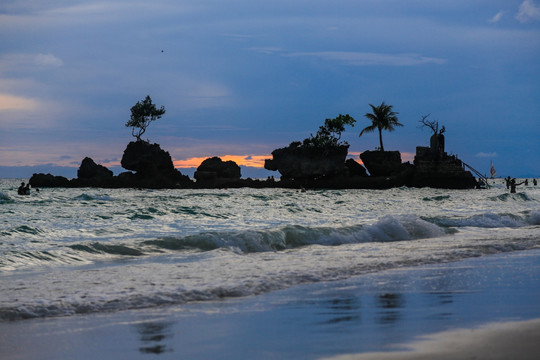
239 80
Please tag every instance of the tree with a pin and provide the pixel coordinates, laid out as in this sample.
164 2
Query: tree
382 118
330 133
142 114
433 125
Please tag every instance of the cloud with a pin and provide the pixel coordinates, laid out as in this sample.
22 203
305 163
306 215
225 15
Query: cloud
268 49
11 102
27 62
486 155
369 59
528 11
48 60
497 17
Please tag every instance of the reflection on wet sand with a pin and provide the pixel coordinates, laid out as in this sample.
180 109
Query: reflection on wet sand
342 310
153 335
391 305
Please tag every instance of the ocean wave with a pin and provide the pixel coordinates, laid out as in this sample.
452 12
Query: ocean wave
94 300
5 199
87 197
23 229
533 217
437 198
490 220
521 196
388 228
100 248
13 260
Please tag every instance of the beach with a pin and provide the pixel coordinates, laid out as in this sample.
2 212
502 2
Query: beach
444 311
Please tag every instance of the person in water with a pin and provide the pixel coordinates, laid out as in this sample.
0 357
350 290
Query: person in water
24 190
513 185
508 180
20 190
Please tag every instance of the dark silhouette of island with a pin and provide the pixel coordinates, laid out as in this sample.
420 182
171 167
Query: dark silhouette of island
318 162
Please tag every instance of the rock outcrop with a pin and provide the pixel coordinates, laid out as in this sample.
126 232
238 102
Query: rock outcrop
300 162
90 170
153 166
216 172
434 168
146 158
382 163
91 174
48 180
354 169
311 164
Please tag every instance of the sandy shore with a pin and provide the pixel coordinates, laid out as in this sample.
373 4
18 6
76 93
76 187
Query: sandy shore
510 340
428 312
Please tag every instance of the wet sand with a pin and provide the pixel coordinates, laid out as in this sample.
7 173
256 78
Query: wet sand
431 312
506 340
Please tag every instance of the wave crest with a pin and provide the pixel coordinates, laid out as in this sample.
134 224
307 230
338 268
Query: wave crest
388 228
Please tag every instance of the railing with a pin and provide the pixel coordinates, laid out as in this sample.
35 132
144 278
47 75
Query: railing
481 177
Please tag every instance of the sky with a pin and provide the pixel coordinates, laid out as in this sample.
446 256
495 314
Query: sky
240 78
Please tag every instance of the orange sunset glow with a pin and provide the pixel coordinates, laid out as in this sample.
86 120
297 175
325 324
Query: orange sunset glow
256 161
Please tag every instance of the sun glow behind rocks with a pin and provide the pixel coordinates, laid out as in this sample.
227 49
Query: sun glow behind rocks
256 161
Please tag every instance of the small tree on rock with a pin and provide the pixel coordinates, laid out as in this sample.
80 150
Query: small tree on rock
433 125
142 114
330 133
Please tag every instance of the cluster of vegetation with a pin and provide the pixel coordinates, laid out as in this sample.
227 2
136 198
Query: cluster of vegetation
328 135
142 114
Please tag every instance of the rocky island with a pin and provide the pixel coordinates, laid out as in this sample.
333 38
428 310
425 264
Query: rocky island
319 161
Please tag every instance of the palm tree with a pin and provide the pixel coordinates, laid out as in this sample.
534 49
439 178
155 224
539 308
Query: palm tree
382 118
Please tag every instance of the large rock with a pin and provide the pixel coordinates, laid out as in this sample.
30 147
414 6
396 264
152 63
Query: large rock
300 162
354 169
215 170
146 159
154 168
90 170
438 170
48 180
382 163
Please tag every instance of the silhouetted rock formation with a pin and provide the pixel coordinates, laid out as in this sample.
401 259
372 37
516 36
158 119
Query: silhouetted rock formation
446 173
354 169
307 162
89 170
216 172
93 175
146 158
308 165
154 167
434 168
382 163
48 180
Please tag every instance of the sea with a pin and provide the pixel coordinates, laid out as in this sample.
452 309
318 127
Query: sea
65 251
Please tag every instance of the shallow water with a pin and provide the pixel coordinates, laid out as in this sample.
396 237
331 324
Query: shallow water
69 251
